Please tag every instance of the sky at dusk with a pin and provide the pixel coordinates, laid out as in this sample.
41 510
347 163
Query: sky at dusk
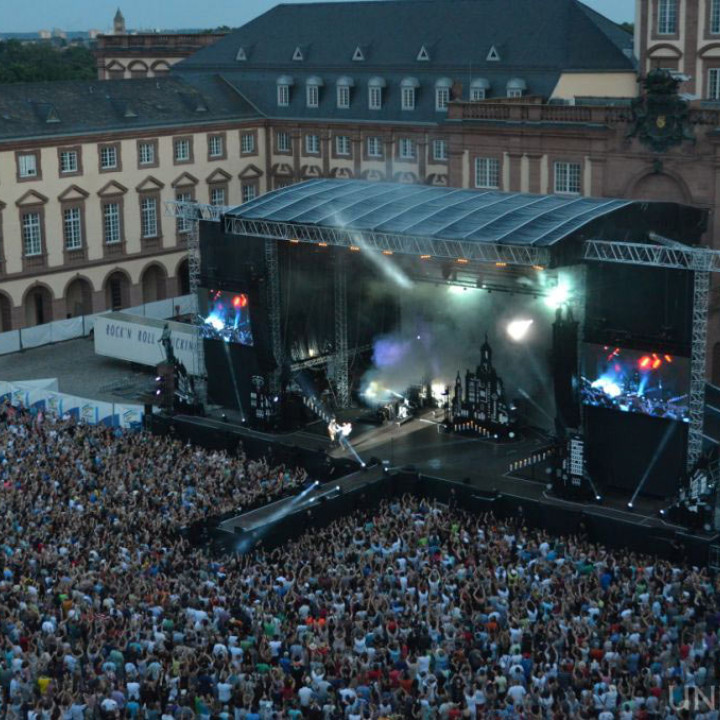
33 15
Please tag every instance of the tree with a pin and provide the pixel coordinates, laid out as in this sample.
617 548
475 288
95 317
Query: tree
628 27
38 62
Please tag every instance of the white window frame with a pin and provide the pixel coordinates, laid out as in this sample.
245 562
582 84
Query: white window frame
375 97
312 144
667 19
440 149
146 153
27 165
567 178
713 84
217 194
249 192
112 233
283 95
487 173
514 93
714 17
72 228
32 234
217 146
343 147
181 150
442 98
343 96
312 95
108 157
282 140
68 162
183 224
406 149
247 143
477 93
148 218
407 98
374 143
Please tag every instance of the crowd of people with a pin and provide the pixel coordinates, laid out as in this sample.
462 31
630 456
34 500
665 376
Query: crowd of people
409 610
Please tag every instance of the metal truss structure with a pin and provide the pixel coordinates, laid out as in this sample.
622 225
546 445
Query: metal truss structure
526 255
664 254
273 292
320 360
342 371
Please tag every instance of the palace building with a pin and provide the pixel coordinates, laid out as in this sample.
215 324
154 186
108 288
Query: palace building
523 96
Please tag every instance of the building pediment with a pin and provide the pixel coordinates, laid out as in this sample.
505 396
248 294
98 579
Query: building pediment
149 184
73 193
311 171
184 180
31 197
218 176
342 172
112 189
251 171
281 169
710 51
664 50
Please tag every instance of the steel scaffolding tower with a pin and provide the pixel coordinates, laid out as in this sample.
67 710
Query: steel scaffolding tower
273 298
342 372
698 364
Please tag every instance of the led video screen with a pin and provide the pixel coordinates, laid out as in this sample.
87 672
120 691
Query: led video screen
651 383
226 317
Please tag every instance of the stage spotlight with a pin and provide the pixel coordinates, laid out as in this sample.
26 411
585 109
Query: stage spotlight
663 512
224 417
630 505
558 296
337 487
598 498
518 329
276 398
317 482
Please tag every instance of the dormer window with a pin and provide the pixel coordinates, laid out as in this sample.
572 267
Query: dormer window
312 90
493 55
284 83
241 55
442 94
343 92
423 55
298 55
516 88
479 88
407 93
375 88
358 55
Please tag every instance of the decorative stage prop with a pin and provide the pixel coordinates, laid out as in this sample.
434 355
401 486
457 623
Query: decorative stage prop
697 501
481 407
174 386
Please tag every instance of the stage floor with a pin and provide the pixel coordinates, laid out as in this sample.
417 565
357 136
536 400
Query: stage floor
423 445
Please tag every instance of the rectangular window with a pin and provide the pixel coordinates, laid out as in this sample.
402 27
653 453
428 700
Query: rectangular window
217 196
442 98
313 96
514 93
27 165
477 93
567 178
374 147
216 147
111 223
374 97
440 150
146 152
714 84
408 98
148 217
487 173
715 17
182 150
68 161
247 143
283 141
283 95
667 17
342 145
343 96
108 157
312 144
248 193
407 149
32 234
72 228
183 224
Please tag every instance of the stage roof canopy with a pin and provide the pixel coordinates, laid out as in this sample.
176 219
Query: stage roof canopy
476 216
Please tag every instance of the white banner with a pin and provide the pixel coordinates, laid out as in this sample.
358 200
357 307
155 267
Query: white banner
9 342
137 340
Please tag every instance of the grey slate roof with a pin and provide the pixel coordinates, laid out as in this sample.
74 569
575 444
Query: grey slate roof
536 41
29 110
430 212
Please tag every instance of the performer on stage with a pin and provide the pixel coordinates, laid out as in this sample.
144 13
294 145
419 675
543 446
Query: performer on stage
338 432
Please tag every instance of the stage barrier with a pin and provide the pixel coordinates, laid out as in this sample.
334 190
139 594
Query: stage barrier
42 395
77 327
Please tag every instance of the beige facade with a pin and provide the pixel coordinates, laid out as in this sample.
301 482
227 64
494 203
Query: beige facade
572 85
